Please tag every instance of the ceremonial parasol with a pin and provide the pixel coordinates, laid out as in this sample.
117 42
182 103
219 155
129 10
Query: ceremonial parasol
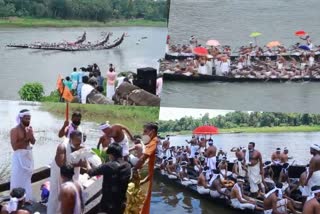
213 43
273 44
206 130
255 35
200 51
300 33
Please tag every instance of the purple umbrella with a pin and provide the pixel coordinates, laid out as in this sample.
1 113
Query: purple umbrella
304 47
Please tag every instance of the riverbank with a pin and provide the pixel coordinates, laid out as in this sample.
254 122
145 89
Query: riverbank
133 117
61 23
277 129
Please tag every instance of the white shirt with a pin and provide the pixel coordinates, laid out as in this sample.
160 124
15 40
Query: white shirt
85 91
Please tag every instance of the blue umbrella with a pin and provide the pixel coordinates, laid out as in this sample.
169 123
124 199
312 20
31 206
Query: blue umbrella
304 47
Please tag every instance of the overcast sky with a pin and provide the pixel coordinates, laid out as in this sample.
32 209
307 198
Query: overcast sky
167 113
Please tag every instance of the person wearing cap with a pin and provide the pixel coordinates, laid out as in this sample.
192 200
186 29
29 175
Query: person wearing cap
312 205
275 157
313 178
16 203
171 169
202 185
239 200
116 176
22 140
119 135
63 156
284 156
275 203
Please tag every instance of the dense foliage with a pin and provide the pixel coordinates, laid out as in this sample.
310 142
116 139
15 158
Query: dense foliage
32 92
241 119
98 10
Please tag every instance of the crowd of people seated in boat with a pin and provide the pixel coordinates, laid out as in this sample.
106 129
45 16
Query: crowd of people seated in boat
245 67
243 183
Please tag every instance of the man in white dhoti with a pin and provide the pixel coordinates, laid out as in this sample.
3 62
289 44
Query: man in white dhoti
313 178
240 201
117 132
211 156
275 203
22 140
255 169
63 157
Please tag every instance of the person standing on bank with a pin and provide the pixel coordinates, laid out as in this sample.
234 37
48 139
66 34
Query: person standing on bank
116 176
111 79
22 159
67 128
150 140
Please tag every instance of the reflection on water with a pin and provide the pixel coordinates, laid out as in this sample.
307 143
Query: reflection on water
167 198
46 128
26 65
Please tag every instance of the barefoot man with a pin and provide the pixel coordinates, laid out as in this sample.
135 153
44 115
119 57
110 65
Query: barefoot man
117 133
22 159
255 168
313 178
150 140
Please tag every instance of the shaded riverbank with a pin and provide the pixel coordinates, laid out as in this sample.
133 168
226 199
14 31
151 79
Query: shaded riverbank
62 23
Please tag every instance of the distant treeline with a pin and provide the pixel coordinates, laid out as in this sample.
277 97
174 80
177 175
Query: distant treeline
241 119
97 10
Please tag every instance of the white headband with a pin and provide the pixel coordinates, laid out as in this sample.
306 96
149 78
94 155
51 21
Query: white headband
240 180
13 203
104 126
20 115
315 147
272 191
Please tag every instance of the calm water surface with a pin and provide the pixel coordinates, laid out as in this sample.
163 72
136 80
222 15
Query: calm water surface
25 65
231 22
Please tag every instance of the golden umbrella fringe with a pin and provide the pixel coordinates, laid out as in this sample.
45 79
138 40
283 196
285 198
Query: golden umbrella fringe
135 196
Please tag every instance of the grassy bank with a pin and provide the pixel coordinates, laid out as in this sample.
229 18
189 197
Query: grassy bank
134 117
33 22
278 129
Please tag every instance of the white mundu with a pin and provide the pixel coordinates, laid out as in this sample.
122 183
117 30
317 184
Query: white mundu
55 181
203 69
21 171
235 203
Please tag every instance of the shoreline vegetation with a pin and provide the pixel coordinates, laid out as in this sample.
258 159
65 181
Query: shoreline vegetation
134 117
27 22
276 129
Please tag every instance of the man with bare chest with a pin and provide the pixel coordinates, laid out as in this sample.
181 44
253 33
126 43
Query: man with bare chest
313 178
138 150
312 206
210 154
255 168
117 133
22 159
284 156
275 157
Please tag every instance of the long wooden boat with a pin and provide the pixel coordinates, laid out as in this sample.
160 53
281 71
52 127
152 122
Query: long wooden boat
233 57
214 78
101 46
294 172
93 192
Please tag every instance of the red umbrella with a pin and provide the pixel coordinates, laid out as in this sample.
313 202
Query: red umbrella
300 33
206 130
201 51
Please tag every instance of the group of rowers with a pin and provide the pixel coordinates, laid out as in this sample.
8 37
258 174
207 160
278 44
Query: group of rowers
248 64
63 192
246 181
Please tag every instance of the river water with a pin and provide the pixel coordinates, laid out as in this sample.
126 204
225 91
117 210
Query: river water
231 22
25 65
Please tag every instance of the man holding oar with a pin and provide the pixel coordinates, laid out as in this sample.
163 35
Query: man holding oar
22 140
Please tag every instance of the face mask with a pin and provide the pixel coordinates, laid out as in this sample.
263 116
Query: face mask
240 159
76 123
145 139
202 64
